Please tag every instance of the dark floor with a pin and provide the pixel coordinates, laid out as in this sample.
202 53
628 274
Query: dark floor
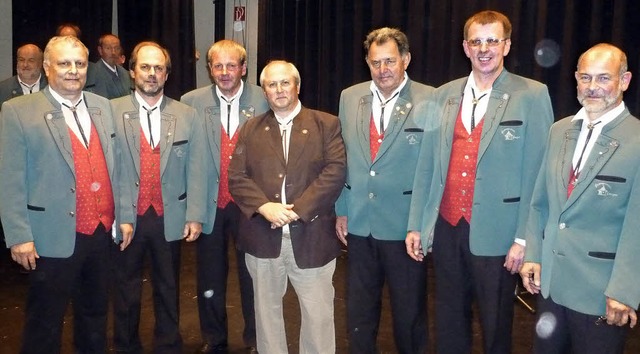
13 290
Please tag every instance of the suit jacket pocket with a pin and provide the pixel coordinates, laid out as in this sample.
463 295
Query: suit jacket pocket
602 255
511 123
511 200
611 178
181 142
182 196
34 208
414 130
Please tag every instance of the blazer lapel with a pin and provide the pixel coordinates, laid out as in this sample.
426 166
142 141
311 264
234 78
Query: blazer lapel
60 133
564 161
604 147
168 130
495 111
59 130
449 117
133 136
299 135
213 130
399 115
363 117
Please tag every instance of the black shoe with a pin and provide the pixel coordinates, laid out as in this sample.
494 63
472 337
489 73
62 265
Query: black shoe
209 348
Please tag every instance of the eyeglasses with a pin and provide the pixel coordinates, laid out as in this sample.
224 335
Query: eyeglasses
231 67
160 69
490 42
388 62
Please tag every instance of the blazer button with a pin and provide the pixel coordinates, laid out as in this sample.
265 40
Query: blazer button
372 173
73 190
280 175
137 183
371 195
72 214
562 226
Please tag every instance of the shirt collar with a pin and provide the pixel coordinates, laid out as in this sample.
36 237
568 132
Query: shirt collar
61 99
230 99
26 84
286 120
605 118
377 93
112 68
471 84
143 103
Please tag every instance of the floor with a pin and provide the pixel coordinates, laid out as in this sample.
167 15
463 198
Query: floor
13 286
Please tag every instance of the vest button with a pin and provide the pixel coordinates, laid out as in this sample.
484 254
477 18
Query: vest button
464 174
277 195
280 175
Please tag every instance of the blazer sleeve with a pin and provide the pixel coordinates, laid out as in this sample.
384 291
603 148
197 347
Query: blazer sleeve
623 285
540 117
341 205
13 178
425 169
197 171
538 212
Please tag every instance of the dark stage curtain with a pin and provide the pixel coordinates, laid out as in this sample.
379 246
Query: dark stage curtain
170 23
324 40
36 21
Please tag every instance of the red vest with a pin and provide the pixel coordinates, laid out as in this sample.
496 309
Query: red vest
150 193
94 196
227 145
375 139
457 199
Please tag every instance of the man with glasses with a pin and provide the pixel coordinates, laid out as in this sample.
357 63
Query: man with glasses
224 107
582 234
473 186
162 184
383 124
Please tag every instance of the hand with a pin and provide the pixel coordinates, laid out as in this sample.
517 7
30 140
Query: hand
127 235
530 274
25 254
414 245
620 314
278 214
341 229
192 229
515 257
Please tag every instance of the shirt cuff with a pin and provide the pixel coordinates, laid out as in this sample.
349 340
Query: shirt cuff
521 241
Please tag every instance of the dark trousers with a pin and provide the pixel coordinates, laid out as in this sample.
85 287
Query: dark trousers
165 263
371 262
461 277
213 267
81 278
561 330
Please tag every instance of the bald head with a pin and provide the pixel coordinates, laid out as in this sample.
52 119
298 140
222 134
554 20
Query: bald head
601 77
29 63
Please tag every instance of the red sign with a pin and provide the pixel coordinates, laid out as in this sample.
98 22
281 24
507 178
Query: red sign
239 13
